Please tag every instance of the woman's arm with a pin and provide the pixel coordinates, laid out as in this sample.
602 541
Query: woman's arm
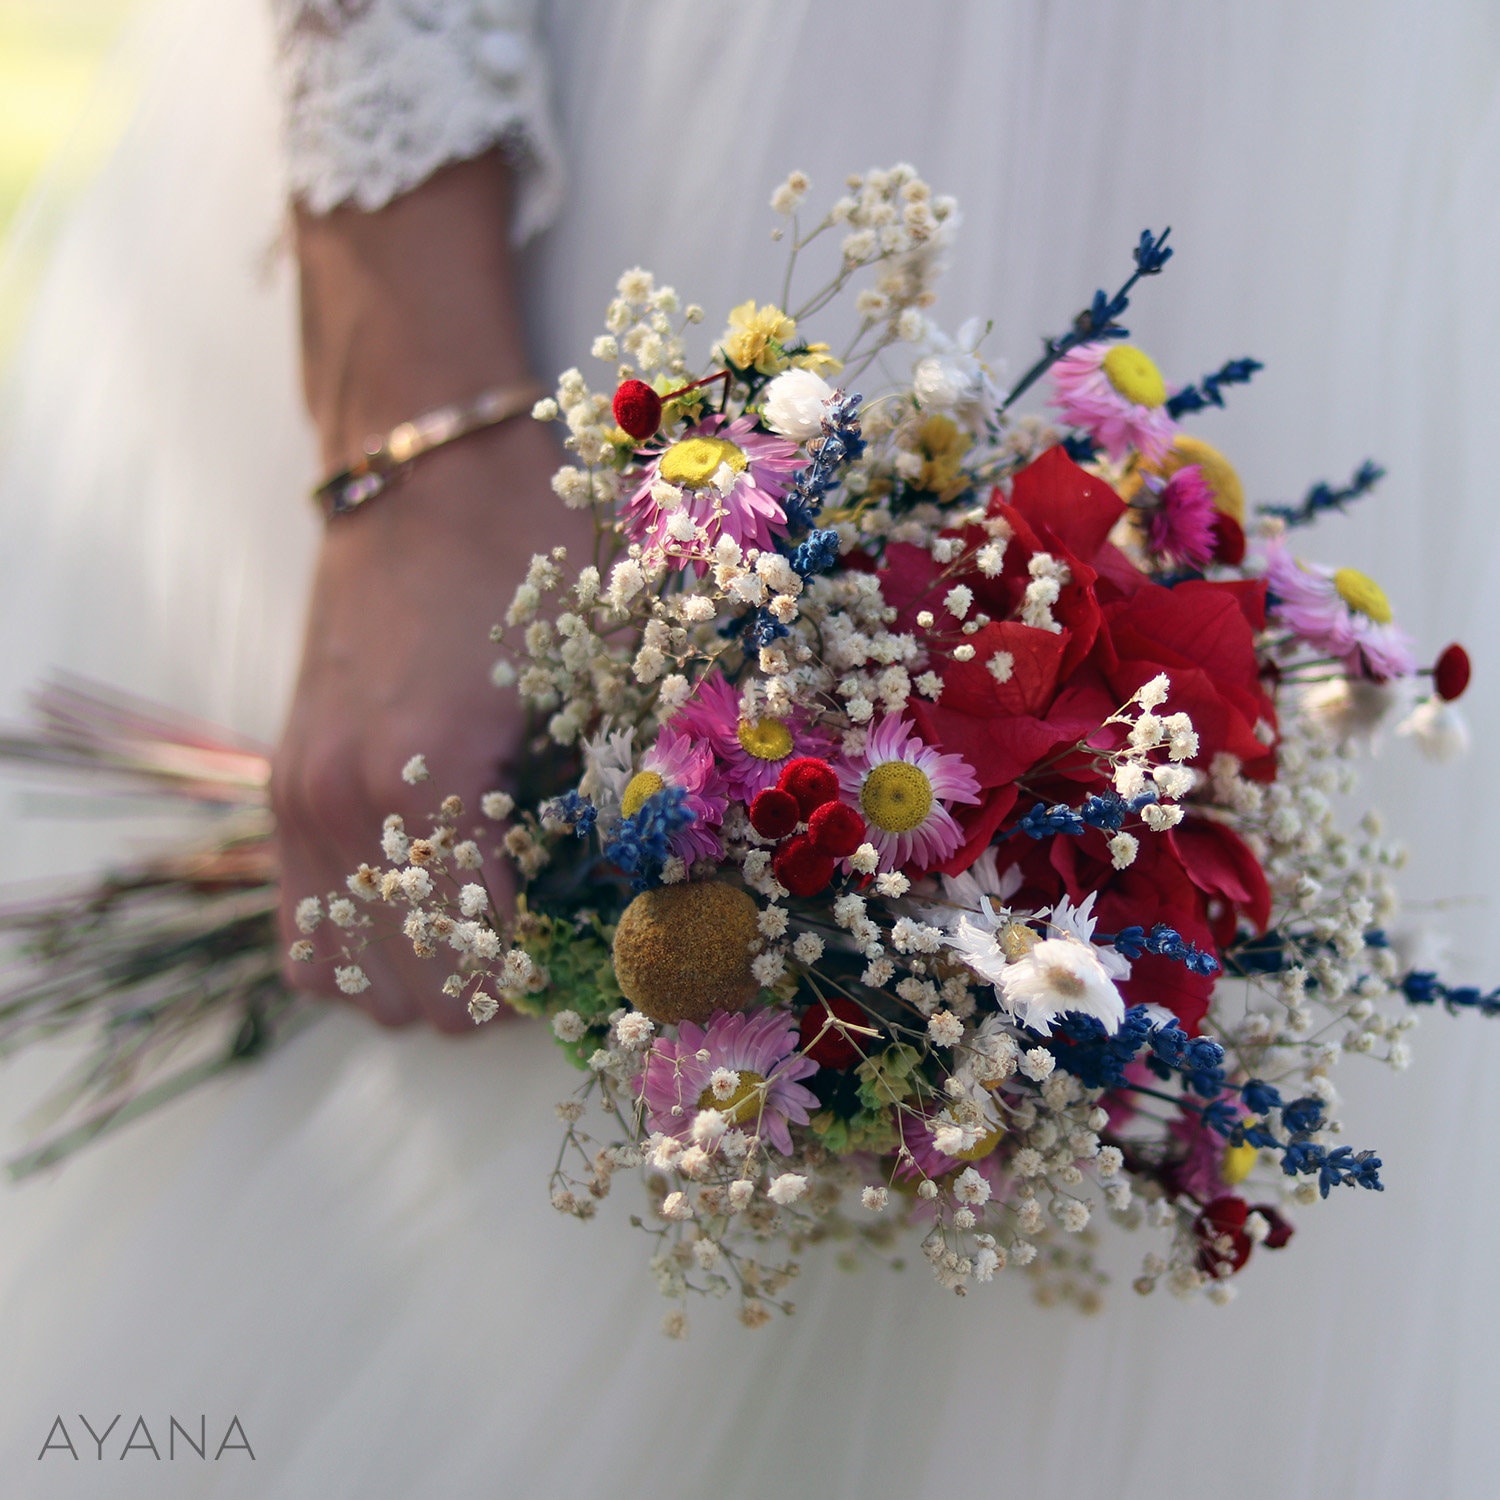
405 309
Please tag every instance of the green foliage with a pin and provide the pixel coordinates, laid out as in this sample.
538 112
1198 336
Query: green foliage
889 1077
577 956
871 1130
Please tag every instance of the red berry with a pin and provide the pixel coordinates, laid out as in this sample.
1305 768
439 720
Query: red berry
1451 674
637 409
811 781
833 1048
836 829
800 868
774 813
1223 1243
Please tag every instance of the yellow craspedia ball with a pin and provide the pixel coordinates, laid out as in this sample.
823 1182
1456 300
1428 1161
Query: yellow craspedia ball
683 951
1218 474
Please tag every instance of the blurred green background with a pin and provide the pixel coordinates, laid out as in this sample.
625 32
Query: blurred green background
58 118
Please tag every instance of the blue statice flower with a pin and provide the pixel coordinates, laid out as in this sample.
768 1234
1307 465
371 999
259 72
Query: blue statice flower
1421 987
1043 820
1303 1116
641 844
1096 1058
1220 1116
1260 1098
1106 811
571 810
816 553
840 445
1338 1168
1169 943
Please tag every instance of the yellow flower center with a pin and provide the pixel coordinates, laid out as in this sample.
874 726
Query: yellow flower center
1063 981
1363 595
896 796
1135 376
982 1147
692 463
743 1104
1016 940
643 785
765 739
1237 1164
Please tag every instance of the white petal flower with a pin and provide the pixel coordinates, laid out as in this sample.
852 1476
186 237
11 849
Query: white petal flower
794 403
1438 728
1060 976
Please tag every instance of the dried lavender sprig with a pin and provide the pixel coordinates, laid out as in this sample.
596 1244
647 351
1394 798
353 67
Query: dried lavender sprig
1098 320
1321 498
1206 392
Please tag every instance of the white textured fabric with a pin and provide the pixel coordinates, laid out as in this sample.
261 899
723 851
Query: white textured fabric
349 1247
380 93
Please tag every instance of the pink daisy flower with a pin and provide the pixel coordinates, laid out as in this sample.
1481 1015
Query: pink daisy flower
918 1135
718 479
1182 525
1338 612
746 1066
1115 393
903 788
675 761
750 755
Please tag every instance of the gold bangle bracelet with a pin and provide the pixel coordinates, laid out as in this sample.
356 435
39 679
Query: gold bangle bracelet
387 458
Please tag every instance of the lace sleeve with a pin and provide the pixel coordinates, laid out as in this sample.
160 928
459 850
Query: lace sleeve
379 94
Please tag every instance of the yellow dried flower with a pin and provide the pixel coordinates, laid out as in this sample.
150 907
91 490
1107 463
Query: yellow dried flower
757 336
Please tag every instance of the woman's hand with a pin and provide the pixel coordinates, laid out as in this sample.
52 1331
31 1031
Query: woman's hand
405 310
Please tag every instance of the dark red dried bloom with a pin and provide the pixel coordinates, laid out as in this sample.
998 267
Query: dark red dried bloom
774 813
801 868
1450 677
811 781
1281 1231
833 1048
836 829
637 409
1229 540
1223 1244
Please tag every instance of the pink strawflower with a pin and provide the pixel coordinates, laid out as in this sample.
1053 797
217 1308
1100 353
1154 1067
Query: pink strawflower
1117 395
903 788
1182 525
717 479
674 760
1338 612
750 756
761 1047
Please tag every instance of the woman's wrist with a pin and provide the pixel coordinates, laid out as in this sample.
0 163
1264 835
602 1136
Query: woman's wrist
408 308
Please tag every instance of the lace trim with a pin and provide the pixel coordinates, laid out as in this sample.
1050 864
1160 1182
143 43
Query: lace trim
381 93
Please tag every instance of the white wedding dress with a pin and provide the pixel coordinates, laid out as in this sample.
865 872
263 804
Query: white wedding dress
349 1248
